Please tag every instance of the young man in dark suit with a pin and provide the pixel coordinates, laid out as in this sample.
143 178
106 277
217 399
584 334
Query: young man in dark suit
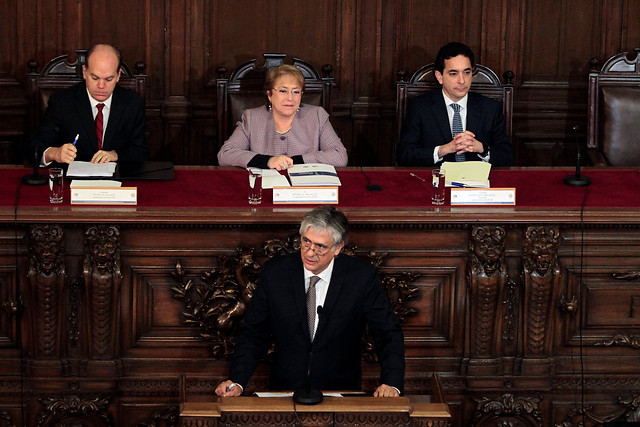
76 111
321 351
428 136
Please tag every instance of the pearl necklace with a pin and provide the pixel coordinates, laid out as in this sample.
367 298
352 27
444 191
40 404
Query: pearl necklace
284 131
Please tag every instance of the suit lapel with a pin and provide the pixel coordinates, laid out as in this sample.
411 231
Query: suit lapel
474 112
115 116
296 288
83 111
442 118
335 288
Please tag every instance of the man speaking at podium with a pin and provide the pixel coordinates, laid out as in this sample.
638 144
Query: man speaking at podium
95 120
317 333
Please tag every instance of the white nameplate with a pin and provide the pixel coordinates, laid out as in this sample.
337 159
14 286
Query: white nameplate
483 196
104 196
302 195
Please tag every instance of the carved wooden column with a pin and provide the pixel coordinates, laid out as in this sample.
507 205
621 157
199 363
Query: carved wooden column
102 278
487 276
47 277
542 280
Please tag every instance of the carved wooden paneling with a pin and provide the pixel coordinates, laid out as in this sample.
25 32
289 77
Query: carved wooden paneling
547 44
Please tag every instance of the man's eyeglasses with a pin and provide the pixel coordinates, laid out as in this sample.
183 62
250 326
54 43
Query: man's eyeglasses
318 248
285 92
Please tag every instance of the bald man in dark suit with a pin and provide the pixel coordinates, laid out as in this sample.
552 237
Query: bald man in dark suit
73 112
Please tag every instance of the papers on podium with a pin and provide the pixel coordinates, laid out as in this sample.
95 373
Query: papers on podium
273 178
80 169
313 174
466 174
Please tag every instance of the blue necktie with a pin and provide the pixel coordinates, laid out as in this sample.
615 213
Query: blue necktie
456 128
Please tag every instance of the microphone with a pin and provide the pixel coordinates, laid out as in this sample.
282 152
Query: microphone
35 178
308 395
577 180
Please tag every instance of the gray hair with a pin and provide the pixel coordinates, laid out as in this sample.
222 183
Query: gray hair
329 218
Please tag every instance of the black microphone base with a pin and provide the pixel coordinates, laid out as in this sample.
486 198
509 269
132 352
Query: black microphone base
577 180
35 179
307 396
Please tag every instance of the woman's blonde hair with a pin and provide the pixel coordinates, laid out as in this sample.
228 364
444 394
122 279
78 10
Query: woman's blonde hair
276 72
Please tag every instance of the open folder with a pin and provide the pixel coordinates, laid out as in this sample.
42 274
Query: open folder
466 174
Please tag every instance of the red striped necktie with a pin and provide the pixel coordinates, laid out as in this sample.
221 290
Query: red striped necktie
99 125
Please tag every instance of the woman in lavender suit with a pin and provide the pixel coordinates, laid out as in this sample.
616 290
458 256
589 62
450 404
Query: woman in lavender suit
284 132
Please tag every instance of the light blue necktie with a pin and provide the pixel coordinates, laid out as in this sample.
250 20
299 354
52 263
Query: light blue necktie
456 128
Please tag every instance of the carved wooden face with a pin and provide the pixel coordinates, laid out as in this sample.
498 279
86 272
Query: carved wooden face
46 245
103 246
488 247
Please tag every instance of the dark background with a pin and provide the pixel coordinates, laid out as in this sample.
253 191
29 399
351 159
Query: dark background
546 43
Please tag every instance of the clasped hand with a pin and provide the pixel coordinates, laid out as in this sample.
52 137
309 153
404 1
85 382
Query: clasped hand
464 142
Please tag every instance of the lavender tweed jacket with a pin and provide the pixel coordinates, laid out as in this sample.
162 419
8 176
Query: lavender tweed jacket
311 136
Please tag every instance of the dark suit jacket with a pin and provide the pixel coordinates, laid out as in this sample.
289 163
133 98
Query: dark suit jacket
426 126
278 314
69 113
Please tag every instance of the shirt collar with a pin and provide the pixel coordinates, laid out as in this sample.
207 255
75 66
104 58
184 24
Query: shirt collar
324 275
94 102
463 102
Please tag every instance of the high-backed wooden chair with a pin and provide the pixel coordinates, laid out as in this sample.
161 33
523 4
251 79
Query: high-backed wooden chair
613 136
245 89
485 82
59 74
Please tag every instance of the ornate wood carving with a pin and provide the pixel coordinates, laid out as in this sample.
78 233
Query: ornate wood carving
102 278
632 341
487 276
74 410
541 278
47 276
169 417
218 304
630 412
6 420
509 411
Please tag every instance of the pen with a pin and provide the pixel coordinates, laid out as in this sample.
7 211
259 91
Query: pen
76 139
416 176
230 387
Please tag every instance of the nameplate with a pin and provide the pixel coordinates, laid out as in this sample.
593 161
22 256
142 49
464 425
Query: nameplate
104 196
483 196
305 195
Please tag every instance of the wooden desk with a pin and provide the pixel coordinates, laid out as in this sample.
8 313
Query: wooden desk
508 304
343 411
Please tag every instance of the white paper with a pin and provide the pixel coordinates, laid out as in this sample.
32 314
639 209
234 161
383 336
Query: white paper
79 183
313 174
79 168
273 178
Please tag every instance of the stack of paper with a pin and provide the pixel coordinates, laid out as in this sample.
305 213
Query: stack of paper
273 178
466 174
313 174
88 169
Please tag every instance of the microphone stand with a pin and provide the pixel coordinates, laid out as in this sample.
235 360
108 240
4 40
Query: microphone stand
35 178
577 180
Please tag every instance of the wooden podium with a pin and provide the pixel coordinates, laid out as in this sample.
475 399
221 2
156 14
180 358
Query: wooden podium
333 411
349 410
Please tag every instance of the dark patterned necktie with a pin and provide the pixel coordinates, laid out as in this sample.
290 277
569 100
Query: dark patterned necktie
311 304
99 125
456 128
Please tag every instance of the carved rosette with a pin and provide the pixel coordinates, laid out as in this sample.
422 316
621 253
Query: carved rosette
74 410
102 278
487 276
509 410
47 276
542 281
